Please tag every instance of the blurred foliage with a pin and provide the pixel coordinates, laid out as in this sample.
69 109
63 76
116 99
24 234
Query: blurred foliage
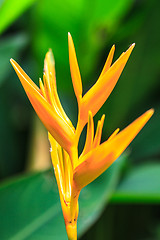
33 206
147 145
29 204
10 10
141 184
10 137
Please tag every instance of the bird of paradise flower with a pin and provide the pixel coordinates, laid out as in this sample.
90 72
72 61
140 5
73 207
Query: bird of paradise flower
73 172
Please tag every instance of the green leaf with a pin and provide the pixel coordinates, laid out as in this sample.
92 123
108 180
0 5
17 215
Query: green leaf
139 80
9 106
30 207
10 47
10 10
147 143
140 185
89 30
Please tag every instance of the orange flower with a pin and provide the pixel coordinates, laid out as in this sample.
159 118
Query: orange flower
74 172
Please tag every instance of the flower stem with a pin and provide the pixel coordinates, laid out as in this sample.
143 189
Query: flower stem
71 229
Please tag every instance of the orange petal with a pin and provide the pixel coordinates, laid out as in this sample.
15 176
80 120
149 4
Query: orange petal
99 159
98 134
54 123
113 134
90 134
62 168
108 61
42 88
56 165
68 174
98 94
50 85
90 169
75 73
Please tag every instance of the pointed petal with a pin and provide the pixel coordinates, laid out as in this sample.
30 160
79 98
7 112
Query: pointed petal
68 174
90 134
50 83
98 94
42 88
56 164
113 134
108 61
98 134
99 159
75 73
54 123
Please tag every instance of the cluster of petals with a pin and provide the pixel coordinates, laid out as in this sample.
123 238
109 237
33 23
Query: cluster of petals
74 171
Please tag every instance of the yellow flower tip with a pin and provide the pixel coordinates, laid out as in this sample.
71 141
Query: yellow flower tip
70 40
117 130
125 55
89 114
150 112
133 45
74 69
24 78
50 50
50 53
49 58
102 119
146 116
113 134
11 60
129 50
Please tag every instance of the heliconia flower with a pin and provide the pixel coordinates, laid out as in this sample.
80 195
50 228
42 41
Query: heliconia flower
73 172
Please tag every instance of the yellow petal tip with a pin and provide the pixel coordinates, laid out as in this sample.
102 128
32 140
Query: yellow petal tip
89 113
103 117
150 112
132 46
12 61
69 35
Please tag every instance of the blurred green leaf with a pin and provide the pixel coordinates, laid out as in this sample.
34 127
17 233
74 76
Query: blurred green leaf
10 47
89 24
10 147
141 74
147 143
30 206
10 10
140 185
